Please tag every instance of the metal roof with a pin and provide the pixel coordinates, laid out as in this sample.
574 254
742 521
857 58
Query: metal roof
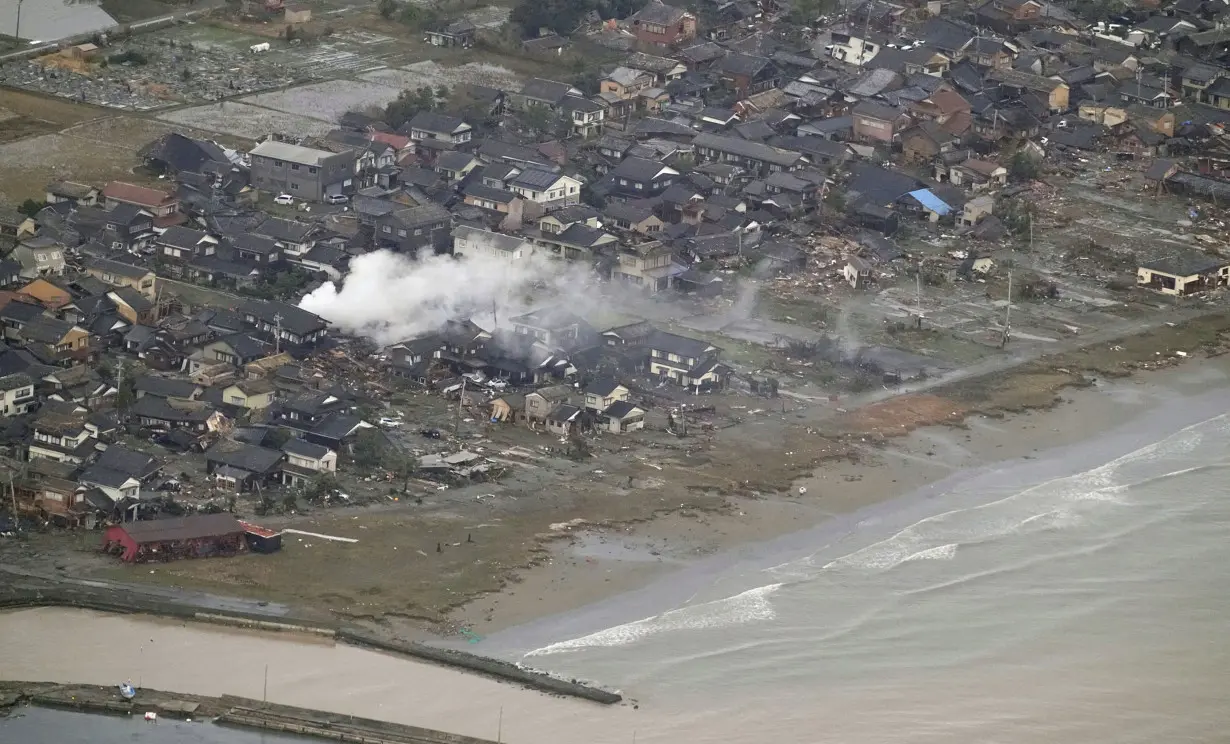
291 153
932 202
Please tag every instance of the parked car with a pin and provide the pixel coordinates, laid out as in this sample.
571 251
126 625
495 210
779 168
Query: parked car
389 423
336 199
432 433
284 199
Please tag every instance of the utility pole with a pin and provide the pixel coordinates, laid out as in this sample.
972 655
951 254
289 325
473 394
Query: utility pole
13 496
17 31
460 400
277 338
918 316
265 694
1003 341
499 727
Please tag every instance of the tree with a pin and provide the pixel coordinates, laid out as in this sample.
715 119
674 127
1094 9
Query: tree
442 92
370 449
404 467
408 104
289 502
386 8
1023 167
31 208
321 487
421 17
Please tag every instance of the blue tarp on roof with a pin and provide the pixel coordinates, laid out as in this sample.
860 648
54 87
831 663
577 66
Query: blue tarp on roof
931 201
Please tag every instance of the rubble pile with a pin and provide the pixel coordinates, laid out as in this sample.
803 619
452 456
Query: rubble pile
173 73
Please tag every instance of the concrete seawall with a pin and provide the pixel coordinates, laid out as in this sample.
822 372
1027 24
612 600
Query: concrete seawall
227 710
129 603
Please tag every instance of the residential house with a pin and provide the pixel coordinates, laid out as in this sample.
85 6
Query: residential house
454 166
555 326
303 172
60 432
659 24
927 141
432 125
548 189
508 408
515 208
39 257
289 324
586 116
475 243
564 420
978 174
118 274
80 194
125 227
748 74
648 265
235 350
249 248
162 206
753 157
456 34
689 362
120 472
55 340
175 414
634 217
15 225
176 154
47 294
183 244
601 394
412 229
291 237
80 384
625 83
1183 273
16 394
622 417
166 387
852 48
546 93
306 462
242 467
641 178
542 401
877 122
857 272
1052 90
1009 16
988 51
252 395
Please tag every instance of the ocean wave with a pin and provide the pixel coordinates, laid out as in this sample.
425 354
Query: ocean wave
750 606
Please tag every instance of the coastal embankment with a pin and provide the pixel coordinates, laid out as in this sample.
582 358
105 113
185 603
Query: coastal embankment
39 592
227 709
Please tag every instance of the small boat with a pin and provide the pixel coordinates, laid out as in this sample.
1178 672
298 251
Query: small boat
127 691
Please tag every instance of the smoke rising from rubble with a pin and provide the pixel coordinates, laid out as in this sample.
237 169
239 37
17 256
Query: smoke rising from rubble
389 298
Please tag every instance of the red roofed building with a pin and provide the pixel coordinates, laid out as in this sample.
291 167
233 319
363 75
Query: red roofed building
196 536
163 206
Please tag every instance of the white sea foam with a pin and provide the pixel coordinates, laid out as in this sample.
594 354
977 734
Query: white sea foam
938 553
750 606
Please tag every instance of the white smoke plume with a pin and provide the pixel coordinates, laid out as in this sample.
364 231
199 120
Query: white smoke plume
389 298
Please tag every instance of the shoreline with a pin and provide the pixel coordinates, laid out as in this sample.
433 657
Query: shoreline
596 568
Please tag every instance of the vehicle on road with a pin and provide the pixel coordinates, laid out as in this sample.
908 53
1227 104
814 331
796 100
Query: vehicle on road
284 199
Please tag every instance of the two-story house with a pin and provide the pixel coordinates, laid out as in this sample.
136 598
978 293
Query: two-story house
476 243
16 394
119 472
748 74
293 238
162 206
306 461
119 274
243 467
60 433
288 324
685 361
39 257
647 265
556 327
753 157
625 83
660 24
255 249
183 243
585 116
1052 90
1009 16
878 122
412 229
303 172
546 188
432 125
641 178
602 394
